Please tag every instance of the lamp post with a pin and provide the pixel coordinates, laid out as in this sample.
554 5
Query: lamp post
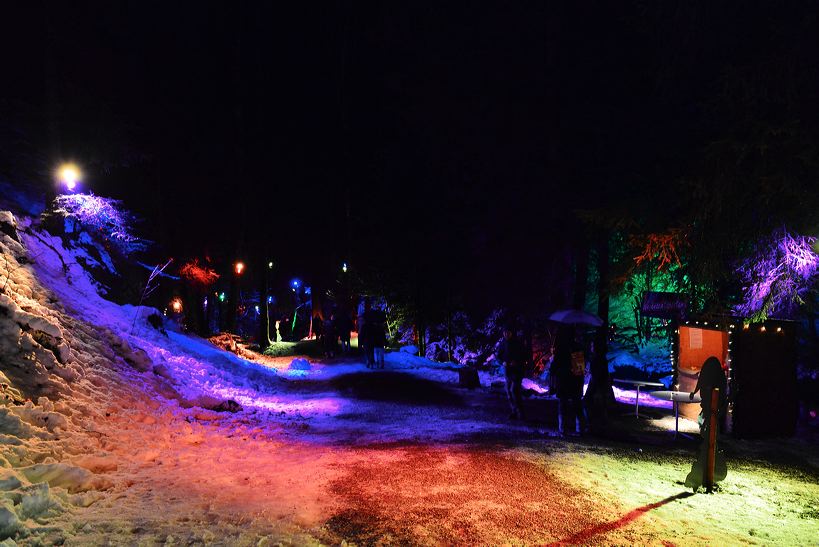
238 270
264 300
69 175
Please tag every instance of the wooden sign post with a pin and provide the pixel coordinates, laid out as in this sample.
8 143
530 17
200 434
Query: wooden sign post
708 481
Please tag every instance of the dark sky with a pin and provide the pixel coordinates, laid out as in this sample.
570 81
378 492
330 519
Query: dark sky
370 132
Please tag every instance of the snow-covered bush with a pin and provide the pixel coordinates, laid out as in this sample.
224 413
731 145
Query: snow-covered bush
103 217
777 276
472 341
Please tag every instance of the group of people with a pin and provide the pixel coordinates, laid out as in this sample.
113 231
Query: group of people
567 372
372 337
332 329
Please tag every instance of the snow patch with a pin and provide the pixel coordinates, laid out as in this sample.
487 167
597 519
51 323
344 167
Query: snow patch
300 364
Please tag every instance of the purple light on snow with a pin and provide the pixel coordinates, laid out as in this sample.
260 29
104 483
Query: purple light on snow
627 396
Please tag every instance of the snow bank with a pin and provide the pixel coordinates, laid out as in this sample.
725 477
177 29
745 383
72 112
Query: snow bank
50 450
300 364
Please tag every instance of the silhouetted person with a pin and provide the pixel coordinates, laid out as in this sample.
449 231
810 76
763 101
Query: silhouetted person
330 337
343 327
284 328
377 338
711 377
512 354
364 316
318 327
569 373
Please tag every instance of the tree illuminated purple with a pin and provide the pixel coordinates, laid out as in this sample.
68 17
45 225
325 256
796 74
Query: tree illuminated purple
777 277
102 216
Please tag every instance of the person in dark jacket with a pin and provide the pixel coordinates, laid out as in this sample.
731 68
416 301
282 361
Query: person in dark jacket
343 327
364 313
377 338
512 354
711 377
318 327
330 337
568 370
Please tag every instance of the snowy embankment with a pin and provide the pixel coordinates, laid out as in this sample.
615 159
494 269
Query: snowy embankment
97 405
70 387
58 377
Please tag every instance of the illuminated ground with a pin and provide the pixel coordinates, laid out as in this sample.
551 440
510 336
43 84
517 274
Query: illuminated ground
332 452
238 479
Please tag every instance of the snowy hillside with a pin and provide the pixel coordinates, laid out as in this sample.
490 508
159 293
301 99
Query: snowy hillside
86 412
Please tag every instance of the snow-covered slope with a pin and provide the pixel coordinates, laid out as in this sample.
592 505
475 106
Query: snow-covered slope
95 403
69 386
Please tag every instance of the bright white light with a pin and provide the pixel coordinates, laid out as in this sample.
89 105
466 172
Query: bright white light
69 175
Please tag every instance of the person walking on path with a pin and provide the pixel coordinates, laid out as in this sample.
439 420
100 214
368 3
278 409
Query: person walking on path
364 317
330 337
344 326
377 338
317 327
568 370
512 354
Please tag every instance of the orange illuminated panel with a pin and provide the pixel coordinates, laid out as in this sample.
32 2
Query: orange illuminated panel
697 345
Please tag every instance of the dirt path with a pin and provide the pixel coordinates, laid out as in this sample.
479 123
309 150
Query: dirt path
455 495
437 466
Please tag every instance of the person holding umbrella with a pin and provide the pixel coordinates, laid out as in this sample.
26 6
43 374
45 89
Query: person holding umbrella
568 369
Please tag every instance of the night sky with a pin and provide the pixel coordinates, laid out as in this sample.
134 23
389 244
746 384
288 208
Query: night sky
453 139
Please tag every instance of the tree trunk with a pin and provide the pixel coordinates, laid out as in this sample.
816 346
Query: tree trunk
581 275
600 392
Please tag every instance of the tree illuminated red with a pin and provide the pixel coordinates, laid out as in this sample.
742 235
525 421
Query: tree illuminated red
198 275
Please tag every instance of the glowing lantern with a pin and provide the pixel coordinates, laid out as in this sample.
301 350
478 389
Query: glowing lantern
69 175
239 267
344 267
176 305
270 265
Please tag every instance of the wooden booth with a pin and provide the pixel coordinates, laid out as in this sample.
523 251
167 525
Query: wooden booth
760 363
758 359
695 344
